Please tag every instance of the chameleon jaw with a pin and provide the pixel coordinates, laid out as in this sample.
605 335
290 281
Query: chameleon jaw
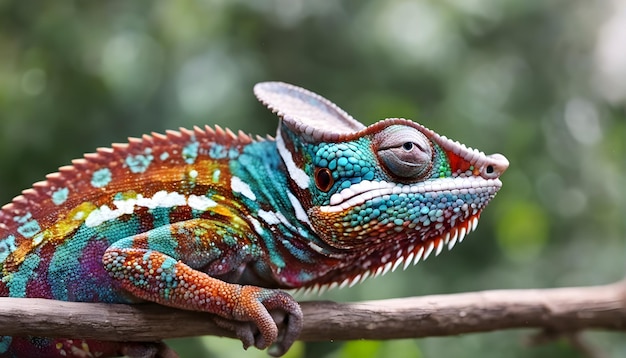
379 214
384 245
393 258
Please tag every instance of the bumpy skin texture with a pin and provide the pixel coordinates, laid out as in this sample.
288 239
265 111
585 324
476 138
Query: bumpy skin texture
211 221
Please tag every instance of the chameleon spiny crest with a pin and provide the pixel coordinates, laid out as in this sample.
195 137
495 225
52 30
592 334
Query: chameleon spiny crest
214 221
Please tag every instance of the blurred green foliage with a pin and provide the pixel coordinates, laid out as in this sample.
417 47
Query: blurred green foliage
543 82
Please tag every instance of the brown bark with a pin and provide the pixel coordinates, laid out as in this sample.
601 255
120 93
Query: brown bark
562 310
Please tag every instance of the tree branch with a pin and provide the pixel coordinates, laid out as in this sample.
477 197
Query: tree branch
556 310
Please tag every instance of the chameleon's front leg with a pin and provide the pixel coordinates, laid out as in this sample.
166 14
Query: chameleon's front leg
153 266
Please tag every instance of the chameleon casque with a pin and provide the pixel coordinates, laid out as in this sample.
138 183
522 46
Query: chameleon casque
213 221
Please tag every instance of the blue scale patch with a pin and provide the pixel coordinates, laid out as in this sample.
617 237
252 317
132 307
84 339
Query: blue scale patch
60 195
169 264
29 229
19 280
139 163
101 178
29 226
345 160
160 216
160 239
217 151
233 153
7 246
190 151
350 163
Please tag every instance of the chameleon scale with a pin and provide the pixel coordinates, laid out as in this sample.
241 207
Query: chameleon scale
214 221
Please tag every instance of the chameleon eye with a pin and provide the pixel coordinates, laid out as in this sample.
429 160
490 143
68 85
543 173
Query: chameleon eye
323 179
405 152
408 146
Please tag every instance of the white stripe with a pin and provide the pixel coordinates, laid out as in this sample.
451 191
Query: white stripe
296 174
160 199
200 202
297 207
238 186
257 225
269 217
359 193
273 218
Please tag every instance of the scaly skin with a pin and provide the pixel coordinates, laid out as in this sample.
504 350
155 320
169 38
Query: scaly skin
211 221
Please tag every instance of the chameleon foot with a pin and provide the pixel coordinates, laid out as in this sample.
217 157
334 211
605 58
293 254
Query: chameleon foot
265 317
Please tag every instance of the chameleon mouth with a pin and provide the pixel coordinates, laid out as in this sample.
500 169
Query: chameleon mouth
389 246
358 194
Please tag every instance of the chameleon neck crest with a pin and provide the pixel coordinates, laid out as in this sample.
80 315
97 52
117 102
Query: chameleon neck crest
379 196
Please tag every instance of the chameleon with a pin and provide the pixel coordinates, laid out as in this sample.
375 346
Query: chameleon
210 220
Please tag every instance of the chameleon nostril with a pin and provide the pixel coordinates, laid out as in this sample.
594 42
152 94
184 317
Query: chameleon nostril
497 164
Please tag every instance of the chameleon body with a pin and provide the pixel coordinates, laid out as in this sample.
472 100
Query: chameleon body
213 221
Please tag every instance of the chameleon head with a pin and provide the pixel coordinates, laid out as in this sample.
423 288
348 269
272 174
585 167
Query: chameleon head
392 192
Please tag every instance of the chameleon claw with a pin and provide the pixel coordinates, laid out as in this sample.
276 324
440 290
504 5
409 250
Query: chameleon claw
245 331
286 335
292 322
286 316
266 318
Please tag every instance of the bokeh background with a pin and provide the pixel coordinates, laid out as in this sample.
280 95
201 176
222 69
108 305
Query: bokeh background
543 82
